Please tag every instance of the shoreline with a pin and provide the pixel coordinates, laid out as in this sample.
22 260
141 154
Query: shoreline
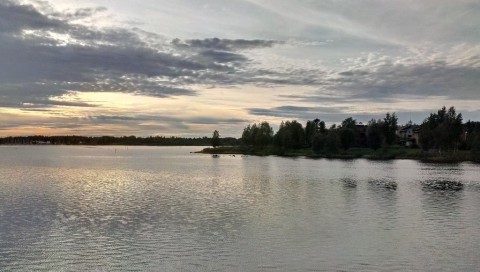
383 154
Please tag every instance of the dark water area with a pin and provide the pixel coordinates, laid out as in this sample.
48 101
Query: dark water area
77 208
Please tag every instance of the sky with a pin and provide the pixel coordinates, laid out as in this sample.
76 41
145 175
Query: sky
188 67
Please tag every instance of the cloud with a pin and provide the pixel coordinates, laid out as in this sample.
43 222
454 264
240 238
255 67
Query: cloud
80 13
15 17
225 44
214 121
199 120
378 82
39 65
302 114
295 112
45 54
222 56
389 78
401 23
153 124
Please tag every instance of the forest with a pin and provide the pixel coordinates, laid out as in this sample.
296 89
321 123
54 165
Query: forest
441 135
111 140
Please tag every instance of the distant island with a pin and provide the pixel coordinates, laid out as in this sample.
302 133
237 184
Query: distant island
111 140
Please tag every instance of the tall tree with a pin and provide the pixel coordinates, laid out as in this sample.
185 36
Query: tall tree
389 128
313 128
321 127
215 139
349 123
318 142
331 143
264 135
347 133
347 137
375 135
258 134
475 149
247 135
442 130
318 136
310 130
290 135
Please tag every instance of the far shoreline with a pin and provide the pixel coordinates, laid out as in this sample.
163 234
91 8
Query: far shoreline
382 154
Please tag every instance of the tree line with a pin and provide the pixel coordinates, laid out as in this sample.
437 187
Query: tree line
441 131
315 134
111 140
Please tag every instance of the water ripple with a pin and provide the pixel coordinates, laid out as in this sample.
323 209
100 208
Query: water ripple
164 209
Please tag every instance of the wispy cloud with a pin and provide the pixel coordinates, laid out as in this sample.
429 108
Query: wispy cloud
224 44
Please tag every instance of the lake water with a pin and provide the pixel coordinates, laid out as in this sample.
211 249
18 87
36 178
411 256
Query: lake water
118 208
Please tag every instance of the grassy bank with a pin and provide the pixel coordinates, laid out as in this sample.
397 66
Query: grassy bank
386 153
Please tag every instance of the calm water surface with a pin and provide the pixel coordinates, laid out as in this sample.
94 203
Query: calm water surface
163 209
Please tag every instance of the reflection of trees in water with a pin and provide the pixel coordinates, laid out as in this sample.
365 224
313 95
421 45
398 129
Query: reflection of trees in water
350 180
383 192
350 195
380 184
442 185
443 190
442 204
349 183
446 173
443 219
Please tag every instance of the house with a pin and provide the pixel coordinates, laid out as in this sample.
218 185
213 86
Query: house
409 134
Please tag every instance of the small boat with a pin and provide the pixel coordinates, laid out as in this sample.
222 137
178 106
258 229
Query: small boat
215 156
